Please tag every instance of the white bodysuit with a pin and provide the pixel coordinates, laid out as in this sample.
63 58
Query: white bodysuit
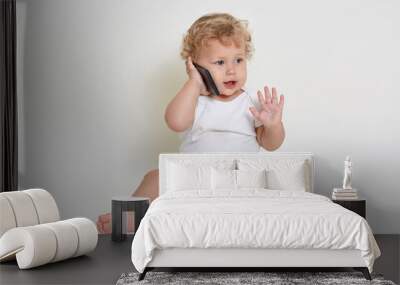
223 126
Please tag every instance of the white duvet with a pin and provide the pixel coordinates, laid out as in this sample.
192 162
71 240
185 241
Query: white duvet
251 218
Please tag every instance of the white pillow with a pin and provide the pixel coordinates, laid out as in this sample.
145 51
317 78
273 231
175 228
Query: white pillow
287 179
183 177
282 174
223 179
211 161
237 179
251 178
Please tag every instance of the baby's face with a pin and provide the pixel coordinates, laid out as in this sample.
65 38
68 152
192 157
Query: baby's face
227 65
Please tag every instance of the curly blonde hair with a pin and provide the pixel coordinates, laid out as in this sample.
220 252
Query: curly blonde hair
221 26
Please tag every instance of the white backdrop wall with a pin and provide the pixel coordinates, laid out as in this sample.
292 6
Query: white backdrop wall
95 78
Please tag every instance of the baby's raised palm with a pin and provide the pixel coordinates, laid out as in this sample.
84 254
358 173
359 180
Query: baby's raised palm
270 114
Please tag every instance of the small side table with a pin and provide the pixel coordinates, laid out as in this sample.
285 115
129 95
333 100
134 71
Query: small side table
358 206
121 204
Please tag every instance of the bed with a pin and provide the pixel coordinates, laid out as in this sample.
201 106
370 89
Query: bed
246 210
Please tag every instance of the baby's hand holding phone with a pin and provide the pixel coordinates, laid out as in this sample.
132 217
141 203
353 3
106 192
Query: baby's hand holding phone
194 75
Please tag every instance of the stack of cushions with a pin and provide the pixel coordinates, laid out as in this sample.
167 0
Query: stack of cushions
31 232
271 174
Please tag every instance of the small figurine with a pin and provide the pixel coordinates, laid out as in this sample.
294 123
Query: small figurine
347 173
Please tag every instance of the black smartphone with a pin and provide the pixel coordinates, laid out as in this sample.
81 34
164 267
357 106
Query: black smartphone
207 79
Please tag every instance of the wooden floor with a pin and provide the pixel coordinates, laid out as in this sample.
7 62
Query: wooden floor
111 259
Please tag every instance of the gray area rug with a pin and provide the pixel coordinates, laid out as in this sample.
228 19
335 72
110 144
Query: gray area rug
228 278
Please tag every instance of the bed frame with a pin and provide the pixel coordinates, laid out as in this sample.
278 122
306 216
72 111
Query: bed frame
246 259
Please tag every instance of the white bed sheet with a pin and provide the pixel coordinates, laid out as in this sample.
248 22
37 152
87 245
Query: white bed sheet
250 218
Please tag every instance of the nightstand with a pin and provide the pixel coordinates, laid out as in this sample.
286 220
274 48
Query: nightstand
358 206
123 204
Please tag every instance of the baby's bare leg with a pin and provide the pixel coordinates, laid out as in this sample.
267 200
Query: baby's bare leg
147 188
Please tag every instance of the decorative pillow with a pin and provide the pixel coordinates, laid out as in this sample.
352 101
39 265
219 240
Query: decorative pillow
236 179
287 179
282 174
219 163
223 179
181 177
251 178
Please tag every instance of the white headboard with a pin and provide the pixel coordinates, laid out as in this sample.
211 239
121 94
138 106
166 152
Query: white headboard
164 158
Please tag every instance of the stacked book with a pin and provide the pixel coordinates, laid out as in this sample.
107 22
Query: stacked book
344 194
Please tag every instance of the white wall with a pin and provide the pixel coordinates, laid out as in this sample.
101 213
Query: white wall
97 75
